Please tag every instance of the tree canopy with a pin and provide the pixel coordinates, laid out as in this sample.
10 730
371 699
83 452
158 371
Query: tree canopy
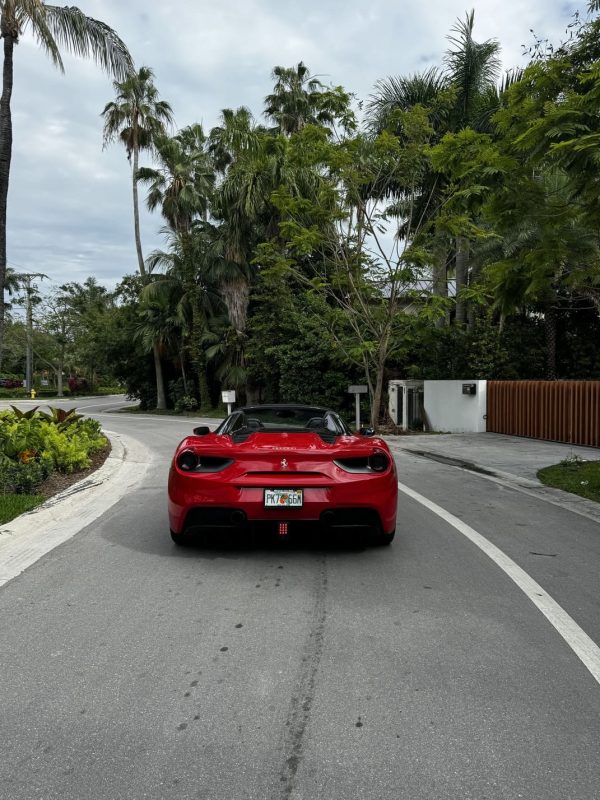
447 226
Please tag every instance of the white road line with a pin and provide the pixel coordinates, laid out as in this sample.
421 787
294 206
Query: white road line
581 644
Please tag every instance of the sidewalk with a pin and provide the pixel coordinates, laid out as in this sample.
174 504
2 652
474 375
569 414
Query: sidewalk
511 459
30 536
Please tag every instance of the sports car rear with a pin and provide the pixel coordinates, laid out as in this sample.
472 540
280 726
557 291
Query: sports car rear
271 478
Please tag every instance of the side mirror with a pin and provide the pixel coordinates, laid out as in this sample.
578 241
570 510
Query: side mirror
202 430
366 432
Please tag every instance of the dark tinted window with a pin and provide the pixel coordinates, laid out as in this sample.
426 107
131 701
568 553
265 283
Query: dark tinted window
287 418
292 418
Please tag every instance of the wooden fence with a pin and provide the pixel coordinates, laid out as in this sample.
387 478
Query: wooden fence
560 411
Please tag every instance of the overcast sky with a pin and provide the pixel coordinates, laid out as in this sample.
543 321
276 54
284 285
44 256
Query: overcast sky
70 210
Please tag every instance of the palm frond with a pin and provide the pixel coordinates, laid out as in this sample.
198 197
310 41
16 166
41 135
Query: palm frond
33 14
89 38
471 67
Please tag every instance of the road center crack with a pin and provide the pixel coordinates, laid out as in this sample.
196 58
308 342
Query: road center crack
303 697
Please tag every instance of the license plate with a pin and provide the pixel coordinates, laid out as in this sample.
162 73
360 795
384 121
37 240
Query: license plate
283 498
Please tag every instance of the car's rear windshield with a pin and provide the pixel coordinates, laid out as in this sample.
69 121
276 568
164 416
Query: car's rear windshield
288 419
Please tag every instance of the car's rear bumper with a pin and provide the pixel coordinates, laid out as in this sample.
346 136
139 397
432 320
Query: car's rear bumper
195 501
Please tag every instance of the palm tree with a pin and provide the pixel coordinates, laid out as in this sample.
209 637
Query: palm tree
53 27
181 187
11 284
400 93
235 134
136 117
253 163
185 286
182 184
295 100
157 330
472 68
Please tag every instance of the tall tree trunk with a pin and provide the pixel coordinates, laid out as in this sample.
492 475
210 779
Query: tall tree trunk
198 356
236 296
202 379
5 156
377 395
550 331
136 208
462 272
440 280
378 389
253 393
473 311
182 366
161 400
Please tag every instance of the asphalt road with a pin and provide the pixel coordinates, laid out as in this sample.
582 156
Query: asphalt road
131 669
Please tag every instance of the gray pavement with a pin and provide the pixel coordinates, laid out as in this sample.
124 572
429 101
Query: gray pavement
132 669
512 456
511 460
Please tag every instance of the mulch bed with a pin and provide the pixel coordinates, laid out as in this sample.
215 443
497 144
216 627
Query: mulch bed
58 482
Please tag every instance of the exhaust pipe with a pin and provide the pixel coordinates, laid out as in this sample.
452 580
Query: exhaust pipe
238 518
328 518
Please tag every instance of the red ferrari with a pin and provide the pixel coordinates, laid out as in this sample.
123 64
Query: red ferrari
283 469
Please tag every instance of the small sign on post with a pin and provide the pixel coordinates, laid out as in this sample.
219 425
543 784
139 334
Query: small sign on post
357 391
228 397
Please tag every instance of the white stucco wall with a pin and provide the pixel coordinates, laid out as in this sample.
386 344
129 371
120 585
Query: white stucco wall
448 409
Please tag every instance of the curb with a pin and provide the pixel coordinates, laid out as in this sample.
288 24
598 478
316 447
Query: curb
25 539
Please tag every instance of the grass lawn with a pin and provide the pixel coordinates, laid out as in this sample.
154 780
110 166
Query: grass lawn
574 475
11 505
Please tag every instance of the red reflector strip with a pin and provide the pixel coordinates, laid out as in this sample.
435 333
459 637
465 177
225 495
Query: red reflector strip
283 529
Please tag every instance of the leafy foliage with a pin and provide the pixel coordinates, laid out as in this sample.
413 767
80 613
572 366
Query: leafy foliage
33 444
455 233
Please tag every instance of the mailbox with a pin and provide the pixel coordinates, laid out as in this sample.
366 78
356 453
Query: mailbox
469 388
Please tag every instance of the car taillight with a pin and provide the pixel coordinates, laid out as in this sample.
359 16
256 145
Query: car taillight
379 462
360 464
187 461
376 462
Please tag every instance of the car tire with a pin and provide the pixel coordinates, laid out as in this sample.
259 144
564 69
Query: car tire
180 539
384 539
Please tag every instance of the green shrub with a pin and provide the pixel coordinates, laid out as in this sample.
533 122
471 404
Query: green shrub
22 477
20 436
186 403
34 443
70 448
67 453
12 393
